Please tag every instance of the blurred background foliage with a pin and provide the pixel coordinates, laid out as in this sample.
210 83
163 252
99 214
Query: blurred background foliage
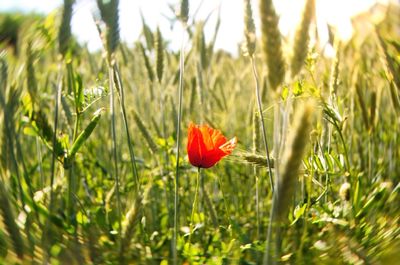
345 208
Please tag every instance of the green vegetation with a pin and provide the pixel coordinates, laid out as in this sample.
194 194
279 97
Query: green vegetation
94 167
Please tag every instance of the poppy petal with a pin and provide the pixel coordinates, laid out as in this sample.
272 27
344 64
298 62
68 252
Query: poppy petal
218 138
207 139
228 147
213 157
207 146
195 148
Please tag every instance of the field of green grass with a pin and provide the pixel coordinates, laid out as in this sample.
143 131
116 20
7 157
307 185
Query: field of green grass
94 165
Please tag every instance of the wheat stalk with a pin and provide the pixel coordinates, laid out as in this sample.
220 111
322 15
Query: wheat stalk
159 55
121 94
147 63
272 44
148 35
128 227
292 158
5 161
302 39
287 182
145 132
256 131
109 14
30 75
64 35
184 14
250 29
394 96
9 222
201 46
184 11
92 241
361 101
256 159
260 113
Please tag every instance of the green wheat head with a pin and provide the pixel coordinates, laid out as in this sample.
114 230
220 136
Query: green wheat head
272 44
109 14
250 29
64 34
302 39
159 55
292 159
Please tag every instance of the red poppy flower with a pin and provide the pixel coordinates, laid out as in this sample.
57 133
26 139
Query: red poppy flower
206 146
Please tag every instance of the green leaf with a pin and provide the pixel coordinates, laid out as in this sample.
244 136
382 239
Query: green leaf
79 97
84 135
41 126
30 131
298 212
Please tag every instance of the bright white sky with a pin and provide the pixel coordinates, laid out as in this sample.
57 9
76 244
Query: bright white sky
336 12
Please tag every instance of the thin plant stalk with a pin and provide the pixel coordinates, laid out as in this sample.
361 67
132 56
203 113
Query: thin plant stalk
25 174
46 234
128 135
259 104
178 141
53 159
305 227
114 147
10 137
267 254
40 165
258 216
277 138
71 177
77 112
275 195
194 206
264 135
285 121
227 209
257 203
76 124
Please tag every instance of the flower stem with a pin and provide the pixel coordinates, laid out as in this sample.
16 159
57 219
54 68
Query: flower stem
194 203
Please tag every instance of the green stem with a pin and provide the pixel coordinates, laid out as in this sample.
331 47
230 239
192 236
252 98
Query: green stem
264 134
54 155
267 253
128 135
46 232
208 203
194 203
76 125
268 258
69 168
346 154
257 205
307 186
40 164
227 210
71 83
114 148
178 141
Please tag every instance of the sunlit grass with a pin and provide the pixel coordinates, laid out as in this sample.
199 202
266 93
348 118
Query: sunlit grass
90 171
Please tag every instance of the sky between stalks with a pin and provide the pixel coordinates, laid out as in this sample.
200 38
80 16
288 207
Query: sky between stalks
337 13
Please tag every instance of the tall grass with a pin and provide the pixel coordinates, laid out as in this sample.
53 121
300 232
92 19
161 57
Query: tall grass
184 14
93 168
